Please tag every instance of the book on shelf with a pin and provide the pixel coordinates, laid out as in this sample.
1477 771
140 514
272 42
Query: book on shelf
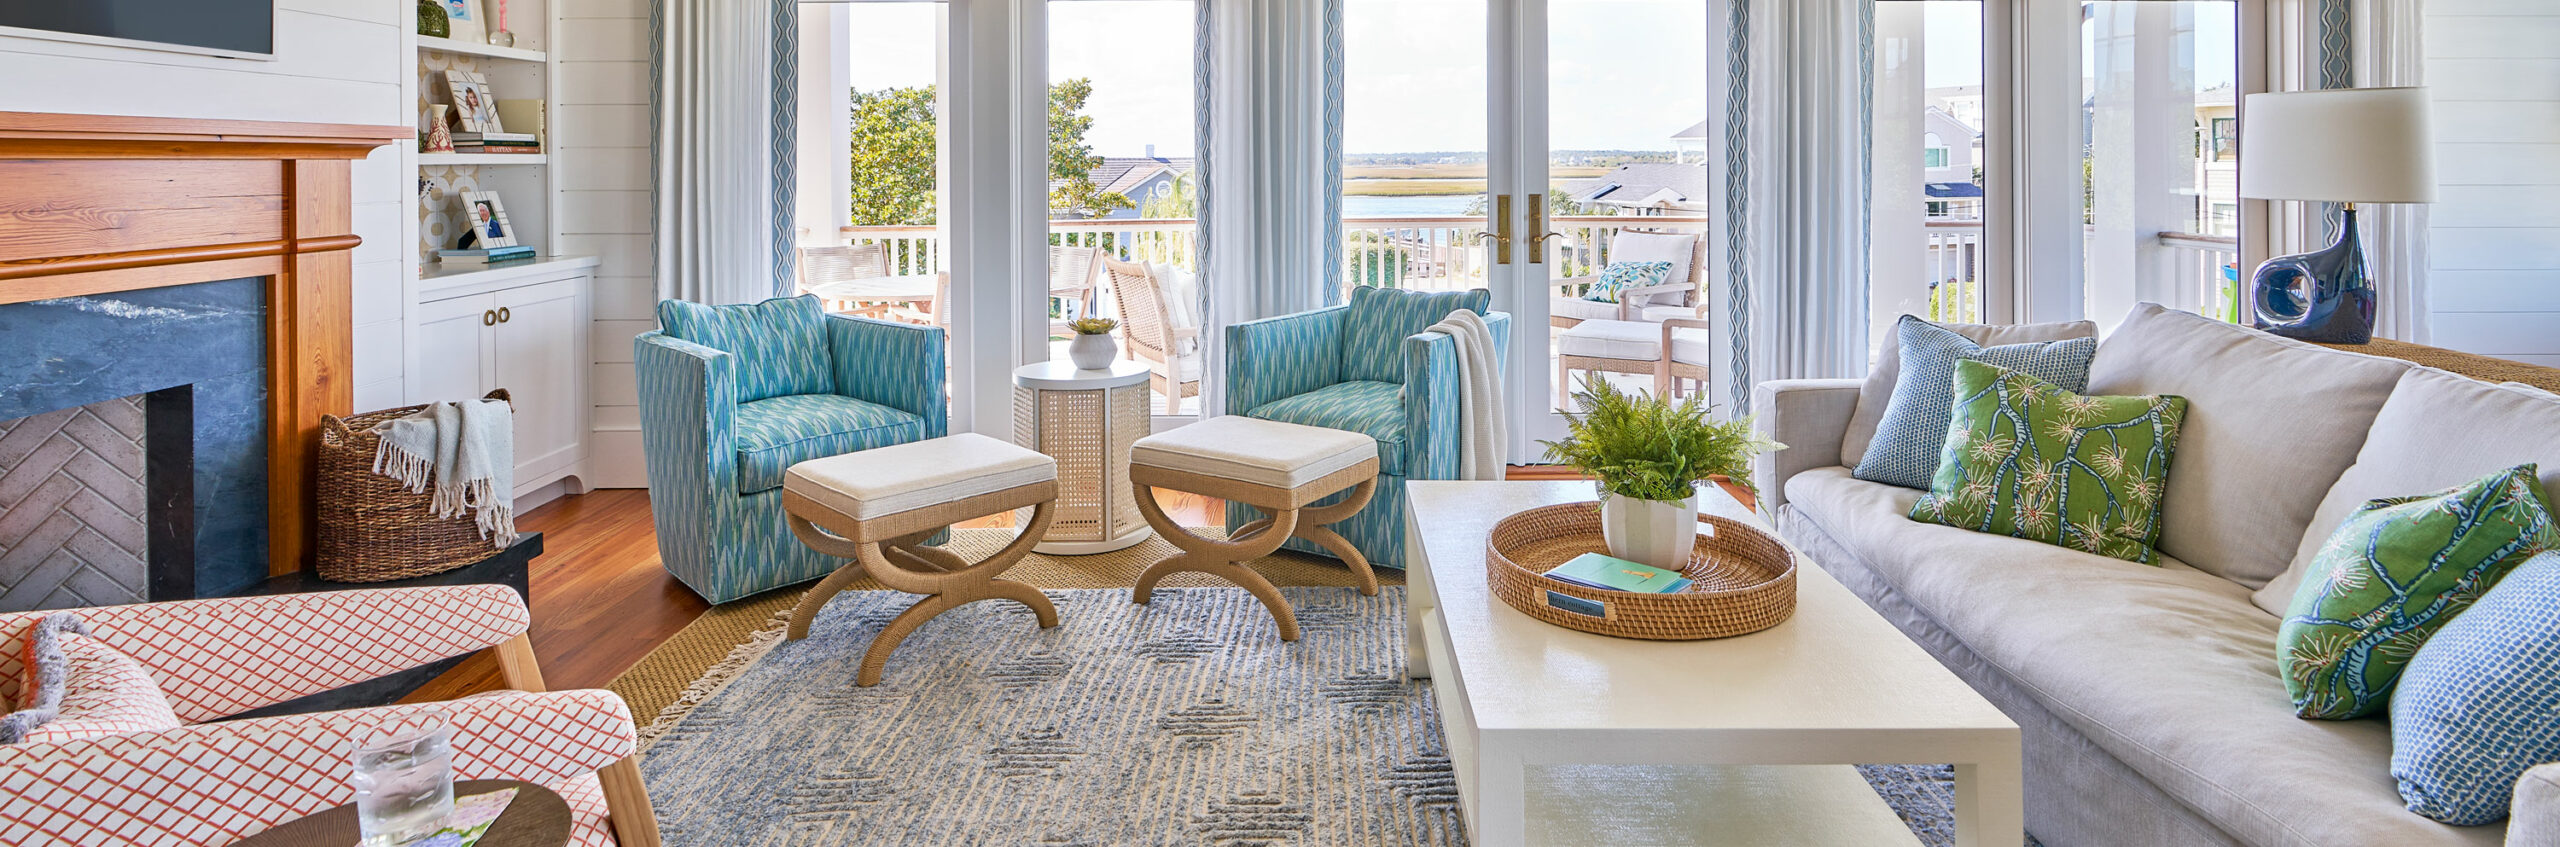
1610 573
525 137
498 149
484 257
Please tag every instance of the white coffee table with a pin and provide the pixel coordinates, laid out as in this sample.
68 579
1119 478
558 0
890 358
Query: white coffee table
1564 737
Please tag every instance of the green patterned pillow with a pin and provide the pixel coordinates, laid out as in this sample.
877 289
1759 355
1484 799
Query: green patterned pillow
2025 458
2395 572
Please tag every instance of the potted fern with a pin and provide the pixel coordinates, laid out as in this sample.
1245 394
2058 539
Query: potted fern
1092 348
1648 455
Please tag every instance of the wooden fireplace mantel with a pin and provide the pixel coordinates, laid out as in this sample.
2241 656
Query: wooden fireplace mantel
96 204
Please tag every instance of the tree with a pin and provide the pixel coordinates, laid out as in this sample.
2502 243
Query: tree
1178 201
894 139
1071 160
893 153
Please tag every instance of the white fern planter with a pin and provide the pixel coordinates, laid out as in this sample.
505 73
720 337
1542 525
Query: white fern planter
1092 352
1660 533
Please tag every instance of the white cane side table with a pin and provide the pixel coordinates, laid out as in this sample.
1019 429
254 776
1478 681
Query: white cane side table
1086 419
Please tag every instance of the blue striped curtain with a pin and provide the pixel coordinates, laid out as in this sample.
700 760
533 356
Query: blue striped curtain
723 78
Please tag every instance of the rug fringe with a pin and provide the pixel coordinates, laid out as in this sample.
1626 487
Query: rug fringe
717 677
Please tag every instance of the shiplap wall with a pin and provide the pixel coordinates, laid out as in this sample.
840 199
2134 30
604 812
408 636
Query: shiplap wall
337 61
2494 69
602 150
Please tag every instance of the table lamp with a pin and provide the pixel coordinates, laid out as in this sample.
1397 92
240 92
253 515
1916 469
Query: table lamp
2345 145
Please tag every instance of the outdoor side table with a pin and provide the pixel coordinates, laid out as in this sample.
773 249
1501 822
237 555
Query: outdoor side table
1086 419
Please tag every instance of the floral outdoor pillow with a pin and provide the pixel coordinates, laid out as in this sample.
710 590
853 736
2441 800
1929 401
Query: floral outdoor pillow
2025 458
2395 572
1620 276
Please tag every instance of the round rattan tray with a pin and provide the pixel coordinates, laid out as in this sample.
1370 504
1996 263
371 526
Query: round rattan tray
1744 579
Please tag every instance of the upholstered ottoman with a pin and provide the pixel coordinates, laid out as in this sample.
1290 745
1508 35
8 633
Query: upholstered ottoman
877 507
1276 467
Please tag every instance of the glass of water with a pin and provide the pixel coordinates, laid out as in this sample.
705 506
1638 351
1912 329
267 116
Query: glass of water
404 785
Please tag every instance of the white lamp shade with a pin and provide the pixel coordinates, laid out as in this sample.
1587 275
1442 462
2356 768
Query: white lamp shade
2344 145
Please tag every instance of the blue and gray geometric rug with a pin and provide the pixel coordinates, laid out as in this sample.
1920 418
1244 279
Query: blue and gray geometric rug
1184 721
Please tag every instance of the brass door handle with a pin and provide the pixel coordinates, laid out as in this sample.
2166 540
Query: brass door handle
1501 233
489 318
504 315
1538 222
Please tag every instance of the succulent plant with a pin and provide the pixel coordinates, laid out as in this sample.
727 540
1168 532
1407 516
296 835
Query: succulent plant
1093 326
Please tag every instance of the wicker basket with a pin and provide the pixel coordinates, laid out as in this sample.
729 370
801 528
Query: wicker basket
1743 579
374 529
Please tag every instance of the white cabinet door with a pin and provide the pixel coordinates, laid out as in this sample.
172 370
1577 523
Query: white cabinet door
453 349
539 355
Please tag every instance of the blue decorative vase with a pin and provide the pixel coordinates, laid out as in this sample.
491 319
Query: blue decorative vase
2321 296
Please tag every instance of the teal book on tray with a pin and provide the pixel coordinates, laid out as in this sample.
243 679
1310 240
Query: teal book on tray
1610 573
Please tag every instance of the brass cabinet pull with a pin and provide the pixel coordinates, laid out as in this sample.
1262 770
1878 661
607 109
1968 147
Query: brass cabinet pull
489 318
504 315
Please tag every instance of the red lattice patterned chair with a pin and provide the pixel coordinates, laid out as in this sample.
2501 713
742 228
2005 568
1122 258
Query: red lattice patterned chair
214 783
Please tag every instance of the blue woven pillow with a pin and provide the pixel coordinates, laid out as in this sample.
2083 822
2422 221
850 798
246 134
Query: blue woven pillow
780 344
2480 702
1620 276
1914 429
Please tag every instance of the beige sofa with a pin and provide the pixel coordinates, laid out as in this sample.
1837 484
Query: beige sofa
2152 711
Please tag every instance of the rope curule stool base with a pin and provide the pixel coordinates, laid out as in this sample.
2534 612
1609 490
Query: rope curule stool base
1288 516
891 549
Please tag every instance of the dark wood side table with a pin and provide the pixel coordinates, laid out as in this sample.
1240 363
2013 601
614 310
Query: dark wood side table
536 818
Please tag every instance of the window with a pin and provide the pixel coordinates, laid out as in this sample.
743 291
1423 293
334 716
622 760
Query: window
2158 121
1927 232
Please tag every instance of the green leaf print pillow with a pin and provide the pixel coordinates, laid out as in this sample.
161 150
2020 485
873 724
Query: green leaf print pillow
2025 458
2394 573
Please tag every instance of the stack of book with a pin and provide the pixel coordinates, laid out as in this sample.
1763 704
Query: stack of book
497 142
1609 573
490 256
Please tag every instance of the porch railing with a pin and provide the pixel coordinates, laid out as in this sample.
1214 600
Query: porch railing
2210 266
1954 263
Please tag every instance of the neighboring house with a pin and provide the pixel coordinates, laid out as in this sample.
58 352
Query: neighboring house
1948 150
1690 142
1138 178
2218 161
1647 188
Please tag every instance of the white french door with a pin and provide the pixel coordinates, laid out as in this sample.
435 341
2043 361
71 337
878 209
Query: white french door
1598 125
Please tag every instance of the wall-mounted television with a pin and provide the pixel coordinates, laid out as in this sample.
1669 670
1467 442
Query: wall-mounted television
242 28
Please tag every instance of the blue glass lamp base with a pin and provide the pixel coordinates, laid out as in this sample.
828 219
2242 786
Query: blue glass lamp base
2322 296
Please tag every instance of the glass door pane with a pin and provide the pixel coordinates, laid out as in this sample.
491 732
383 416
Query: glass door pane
1122 125
1626 181
2160 155
1926 238
882 256
1413 144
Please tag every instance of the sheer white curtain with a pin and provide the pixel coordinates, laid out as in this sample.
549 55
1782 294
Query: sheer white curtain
2387 53
1271 181
1805 206
724 79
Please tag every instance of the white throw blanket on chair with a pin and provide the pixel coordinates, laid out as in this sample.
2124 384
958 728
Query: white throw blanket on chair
467 450
1484 431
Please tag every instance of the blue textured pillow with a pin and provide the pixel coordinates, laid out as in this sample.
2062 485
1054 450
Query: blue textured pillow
2480 702
1908 440
1620 276
1381 319
780 344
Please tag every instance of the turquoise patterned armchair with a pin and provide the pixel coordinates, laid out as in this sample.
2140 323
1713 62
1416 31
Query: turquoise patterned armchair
1367 366
731 396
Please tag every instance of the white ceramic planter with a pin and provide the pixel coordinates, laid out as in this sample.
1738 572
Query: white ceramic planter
1092 352
1650 532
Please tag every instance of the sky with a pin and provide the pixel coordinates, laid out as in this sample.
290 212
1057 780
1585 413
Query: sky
1624 74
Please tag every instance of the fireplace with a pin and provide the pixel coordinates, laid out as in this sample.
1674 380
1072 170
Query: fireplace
132 450
193 274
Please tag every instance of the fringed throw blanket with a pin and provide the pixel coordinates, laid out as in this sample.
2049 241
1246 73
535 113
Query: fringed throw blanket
467 451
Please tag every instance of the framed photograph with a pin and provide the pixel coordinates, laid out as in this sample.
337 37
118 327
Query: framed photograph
475 109
488 220
468 24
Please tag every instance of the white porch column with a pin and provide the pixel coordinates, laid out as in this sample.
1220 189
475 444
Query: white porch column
1899 267
824 200
2142 151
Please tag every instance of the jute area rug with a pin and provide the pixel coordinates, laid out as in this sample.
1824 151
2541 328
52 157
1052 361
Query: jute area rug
661 677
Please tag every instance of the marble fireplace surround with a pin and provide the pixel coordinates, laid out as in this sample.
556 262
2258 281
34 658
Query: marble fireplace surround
138 254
